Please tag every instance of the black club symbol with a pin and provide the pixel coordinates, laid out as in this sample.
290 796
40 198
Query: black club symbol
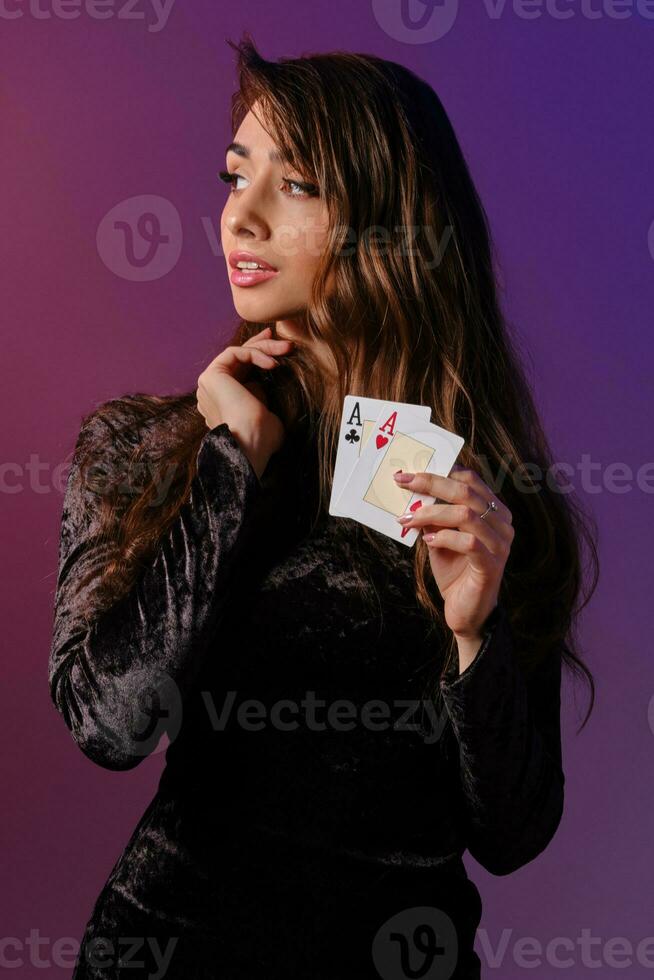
352 436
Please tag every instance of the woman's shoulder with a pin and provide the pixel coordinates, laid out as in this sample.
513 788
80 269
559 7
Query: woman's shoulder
132 430
131 420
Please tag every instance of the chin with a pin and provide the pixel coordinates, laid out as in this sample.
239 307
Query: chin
261 309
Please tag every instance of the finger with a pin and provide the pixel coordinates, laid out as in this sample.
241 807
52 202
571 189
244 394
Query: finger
271 346
466 544
474 480
237 360
446 488
464 517
250 355
257 336
438 514
235 353
259 340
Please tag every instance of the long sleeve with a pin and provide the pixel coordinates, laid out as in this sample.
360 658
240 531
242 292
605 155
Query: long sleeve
149 646
506 723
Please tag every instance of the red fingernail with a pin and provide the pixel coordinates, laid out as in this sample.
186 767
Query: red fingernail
403 477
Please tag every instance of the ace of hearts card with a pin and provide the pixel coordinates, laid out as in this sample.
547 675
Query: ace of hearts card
357 421
399 439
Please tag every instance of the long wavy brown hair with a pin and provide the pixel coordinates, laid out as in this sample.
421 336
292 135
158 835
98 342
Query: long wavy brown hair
412 315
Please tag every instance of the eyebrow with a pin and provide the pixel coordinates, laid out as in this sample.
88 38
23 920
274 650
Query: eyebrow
276 156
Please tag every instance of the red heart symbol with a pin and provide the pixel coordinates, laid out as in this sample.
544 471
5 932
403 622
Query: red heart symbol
381 441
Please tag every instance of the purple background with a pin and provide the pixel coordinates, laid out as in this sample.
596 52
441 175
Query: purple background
555 116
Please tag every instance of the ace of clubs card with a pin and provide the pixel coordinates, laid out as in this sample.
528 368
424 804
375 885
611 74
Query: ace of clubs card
357 421
399 439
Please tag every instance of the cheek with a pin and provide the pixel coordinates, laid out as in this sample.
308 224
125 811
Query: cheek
309 254
305 261
311 236
297 250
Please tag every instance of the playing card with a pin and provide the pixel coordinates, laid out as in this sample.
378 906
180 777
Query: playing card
399 440
357 420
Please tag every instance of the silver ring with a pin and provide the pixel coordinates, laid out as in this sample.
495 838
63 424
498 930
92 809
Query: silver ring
491 506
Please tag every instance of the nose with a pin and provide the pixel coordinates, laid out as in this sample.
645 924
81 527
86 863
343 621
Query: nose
245 227
245 217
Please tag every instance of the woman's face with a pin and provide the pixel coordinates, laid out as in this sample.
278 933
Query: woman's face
275 220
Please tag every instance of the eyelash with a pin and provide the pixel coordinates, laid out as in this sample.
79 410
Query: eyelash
310 190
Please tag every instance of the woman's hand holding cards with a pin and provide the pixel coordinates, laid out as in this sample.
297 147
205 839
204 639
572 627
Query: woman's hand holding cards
468 554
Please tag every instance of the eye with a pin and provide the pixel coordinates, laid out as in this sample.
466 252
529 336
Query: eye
297 188
231 178
303 189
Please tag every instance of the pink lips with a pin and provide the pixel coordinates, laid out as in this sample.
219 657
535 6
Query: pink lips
250 277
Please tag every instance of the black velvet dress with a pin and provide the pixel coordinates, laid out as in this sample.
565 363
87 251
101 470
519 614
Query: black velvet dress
318 793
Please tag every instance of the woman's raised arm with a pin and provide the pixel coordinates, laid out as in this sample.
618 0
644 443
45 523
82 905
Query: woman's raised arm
103 668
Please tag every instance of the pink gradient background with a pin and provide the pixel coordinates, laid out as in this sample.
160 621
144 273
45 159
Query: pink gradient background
556 120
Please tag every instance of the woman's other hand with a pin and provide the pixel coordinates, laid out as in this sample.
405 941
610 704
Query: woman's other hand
224 394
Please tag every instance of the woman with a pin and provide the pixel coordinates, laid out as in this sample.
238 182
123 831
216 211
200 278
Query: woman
345 715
